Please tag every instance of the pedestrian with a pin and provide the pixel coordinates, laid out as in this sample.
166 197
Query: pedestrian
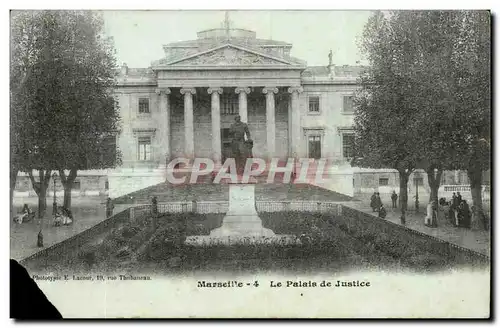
378 201
459 198
109 207
434 223
454 200
464 215
444 210
373 202
382 213
39 241
431 217
394 198
428 217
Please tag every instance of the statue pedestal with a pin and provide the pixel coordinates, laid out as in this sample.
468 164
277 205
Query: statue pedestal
242 224
242 219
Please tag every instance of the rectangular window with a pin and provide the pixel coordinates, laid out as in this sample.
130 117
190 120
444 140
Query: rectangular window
314 104
315 147
348 104
347 145
143 105
229 104
144 148
383 181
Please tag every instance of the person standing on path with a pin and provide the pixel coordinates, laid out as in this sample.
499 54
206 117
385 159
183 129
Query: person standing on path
394 198
373 201
454 201
434 223
378 201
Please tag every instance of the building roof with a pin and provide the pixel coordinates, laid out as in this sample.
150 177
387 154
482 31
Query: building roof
186 52
216 37
324 71
203 42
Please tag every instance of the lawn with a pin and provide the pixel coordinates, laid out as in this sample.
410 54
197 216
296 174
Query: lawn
326 245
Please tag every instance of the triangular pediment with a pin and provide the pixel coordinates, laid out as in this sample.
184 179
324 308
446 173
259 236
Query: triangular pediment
230 55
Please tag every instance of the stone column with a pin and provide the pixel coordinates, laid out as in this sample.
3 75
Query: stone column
295 120
242 106
216 138
270 120
164 125
188 121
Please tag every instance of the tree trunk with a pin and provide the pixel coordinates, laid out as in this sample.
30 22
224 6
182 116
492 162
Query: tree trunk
67 182
13 178
403 191
476 184
434 179
42 202
41 189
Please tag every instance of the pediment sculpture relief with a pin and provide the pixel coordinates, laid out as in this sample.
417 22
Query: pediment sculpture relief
229 56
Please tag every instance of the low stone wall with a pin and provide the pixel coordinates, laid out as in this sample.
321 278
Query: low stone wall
66 247
87 183
365 223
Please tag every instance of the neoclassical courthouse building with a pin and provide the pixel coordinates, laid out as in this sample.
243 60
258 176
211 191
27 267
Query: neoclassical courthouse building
184 104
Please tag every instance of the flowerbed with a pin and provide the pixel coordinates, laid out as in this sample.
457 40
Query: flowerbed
323 243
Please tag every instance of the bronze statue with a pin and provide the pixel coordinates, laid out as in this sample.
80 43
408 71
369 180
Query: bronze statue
241 149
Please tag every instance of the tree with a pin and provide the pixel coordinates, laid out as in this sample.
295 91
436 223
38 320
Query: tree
473 92
25 54
66 100
91 113
455 50
435 34
385 126
437 64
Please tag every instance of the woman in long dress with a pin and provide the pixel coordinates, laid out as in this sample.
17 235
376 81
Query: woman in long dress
431 217
373 202
428 217
465 215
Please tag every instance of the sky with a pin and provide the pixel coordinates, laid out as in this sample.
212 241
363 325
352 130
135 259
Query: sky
139 35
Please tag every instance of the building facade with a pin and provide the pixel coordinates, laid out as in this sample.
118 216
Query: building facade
184 104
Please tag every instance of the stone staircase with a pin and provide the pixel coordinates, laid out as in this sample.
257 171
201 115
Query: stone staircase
166 192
